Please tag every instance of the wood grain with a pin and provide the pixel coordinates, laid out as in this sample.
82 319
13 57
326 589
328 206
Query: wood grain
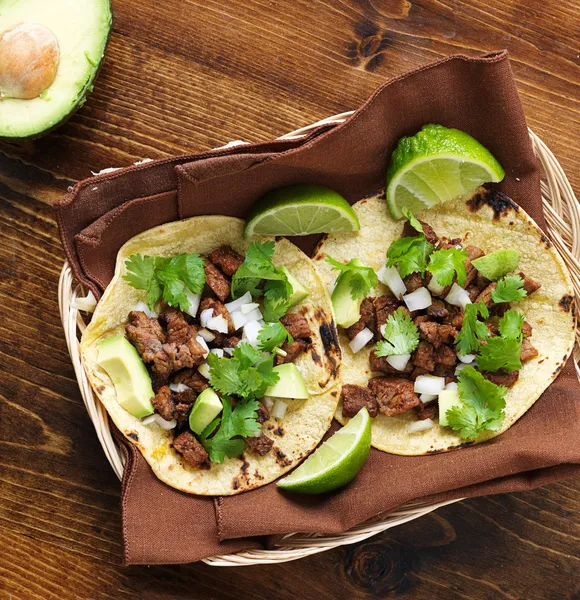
186 75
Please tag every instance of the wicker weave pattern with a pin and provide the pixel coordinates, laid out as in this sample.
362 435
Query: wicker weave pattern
563 217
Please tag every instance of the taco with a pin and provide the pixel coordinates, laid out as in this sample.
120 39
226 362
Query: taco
218 359
451 324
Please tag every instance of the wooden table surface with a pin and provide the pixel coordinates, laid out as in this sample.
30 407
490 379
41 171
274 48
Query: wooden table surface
182 76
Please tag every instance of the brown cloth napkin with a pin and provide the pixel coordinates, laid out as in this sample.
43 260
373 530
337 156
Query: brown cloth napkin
477 95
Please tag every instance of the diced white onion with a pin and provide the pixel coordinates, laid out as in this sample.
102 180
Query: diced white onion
459 368
361 339
246 308
204 370
142 307
458 296
279 409
87 303
391 278
229 351
167 425
418 300
218 324
235 304
239 319
429 384
399 361
202 343
422 425
435 287
451 386
427 398
208 336
194 300
466 358
280 352
217 351
267 401
178 387
251 331
205 316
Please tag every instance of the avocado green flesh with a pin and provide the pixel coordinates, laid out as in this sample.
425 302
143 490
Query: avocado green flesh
82 29
346 310
299 292
206 408
129 376
497 264
448 399
290 385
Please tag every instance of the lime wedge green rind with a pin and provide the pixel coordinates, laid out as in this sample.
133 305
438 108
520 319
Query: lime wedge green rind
336 462
301 209
436 165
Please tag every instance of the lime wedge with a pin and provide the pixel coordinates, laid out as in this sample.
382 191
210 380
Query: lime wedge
336 461
300 210
436 165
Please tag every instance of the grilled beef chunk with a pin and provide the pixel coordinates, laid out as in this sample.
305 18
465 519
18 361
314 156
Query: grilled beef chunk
367 319
217 281
182 415
413 282
219 309
409 231
526 329
185 356
394 396
263 413
355 397
507 379
473 292
177 327
485 295
146 334
436 333
455 318
445 355
473 252
192 379
447 371
424 356
379 363
418 371
529 284
293 351
261 444
186 397
191 450
437 310
227 259
163 403
384 307
296 325
527 351
427 411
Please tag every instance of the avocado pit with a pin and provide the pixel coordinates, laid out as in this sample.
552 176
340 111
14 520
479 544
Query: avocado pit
29 59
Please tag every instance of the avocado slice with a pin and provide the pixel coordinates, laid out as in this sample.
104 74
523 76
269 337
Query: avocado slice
299 292
497 264
290 385
128 373
206 408
346 309
69 39
447 400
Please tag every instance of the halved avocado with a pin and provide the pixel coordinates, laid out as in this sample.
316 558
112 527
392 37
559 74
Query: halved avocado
50 52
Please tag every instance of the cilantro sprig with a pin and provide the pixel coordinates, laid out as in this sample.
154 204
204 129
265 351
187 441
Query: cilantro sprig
509 289
167 278
258 268
445 264
482 407
410 254
361 278
472 329
272 335
503 351
229 430
400 333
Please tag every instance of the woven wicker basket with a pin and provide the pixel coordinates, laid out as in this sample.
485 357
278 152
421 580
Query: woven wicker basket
563 217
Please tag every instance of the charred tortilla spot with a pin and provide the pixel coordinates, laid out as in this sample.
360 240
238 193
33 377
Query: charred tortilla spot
278 431
170 467
566 302
546 241
245 465
329 337
498 202
235 483
315 357
450 448
281 458
133 436
100 389
541 361
334 393
257 475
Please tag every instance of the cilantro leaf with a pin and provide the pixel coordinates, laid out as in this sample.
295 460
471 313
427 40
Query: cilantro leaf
272 335
277 296
233 424
472 329
509 289
400 333
168 278
409 254
510 325
444 264
361 278
246 355
413 221
482 407
500 353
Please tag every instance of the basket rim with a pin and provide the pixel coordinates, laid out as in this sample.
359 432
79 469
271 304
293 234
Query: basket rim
563 219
